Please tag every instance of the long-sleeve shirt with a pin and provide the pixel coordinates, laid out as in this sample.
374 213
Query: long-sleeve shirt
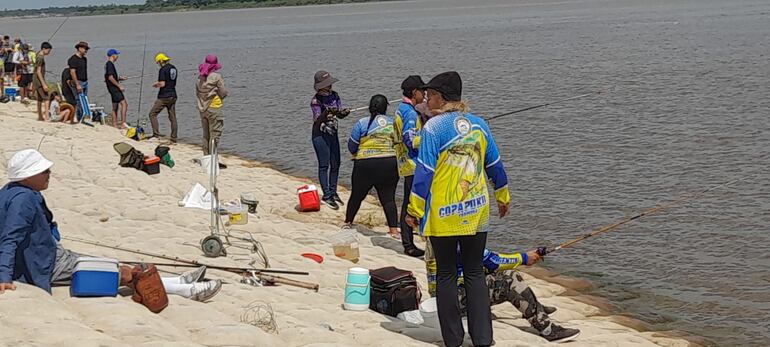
372 138
408 126
324 123
210 91
27 237
449 194
492 261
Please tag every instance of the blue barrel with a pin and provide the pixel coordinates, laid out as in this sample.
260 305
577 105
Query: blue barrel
357 289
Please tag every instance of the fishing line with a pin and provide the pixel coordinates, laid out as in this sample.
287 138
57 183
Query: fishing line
545 104
57 29
542 251
141 83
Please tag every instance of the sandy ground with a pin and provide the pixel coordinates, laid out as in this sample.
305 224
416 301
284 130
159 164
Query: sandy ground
92 197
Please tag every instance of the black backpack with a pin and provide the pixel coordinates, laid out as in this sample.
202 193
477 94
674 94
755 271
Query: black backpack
393 291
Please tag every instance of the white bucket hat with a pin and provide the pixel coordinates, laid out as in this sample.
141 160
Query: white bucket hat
27 163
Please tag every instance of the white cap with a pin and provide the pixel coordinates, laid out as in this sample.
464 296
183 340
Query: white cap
27 163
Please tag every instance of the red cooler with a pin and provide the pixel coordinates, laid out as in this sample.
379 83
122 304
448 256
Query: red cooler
308 198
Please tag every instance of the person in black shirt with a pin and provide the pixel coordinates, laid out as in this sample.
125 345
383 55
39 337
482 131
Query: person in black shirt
166 85
66 91
78 64
115 89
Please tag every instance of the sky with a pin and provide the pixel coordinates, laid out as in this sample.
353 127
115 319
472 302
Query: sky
22 4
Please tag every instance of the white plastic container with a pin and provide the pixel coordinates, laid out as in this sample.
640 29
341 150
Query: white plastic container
345 245
429 313
95 277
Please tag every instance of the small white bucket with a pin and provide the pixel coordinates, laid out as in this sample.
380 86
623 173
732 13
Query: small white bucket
206 165
429 312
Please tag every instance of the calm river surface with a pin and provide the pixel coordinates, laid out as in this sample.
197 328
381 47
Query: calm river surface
687 107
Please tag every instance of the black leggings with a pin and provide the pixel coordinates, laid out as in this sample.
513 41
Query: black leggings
479 313
380 173
407 238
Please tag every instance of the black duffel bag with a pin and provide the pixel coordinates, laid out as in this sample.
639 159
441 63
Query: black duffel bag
393 291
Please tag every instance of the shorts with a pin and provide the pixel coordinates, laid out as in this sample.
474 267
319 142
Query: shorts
64 265
40 94
25 81
9 67
117 96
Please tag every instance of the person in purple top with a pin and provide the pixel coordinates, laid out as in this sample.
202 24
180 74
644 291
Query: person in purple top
327 108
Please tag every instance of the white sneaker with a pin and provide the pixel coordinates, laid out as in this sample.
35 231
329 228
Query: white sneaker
203 291
192 276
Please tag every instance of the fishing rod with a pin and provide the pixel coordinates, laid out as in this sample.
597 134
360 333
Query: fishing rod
237 270
57 29
254 273
367 107
544 105
141 83
543 251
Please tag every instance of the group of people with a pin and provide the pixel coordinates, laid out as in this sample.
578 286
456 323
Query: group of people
445 155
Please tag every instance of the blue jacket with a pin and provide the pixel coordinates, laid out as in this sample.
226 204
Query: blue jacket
27 241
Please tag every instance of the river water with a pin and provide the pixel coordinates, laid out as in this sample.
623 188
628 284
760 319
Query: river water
686 108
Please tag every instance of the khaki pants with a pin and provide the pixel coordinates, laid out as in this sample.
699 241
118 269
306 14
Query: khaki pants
213 124
170 105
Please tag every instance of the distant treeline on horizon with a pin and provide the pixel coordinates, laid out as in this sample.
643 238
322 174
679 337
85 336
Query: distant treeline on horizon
164 6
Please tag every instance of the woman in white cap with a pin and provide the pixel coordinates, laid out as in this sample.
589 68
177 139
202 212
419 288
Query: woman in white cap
29 238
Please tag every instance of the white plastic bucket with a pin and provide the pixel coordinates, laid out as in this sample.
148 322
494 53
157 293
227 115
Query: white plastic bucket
357 289
206 165
345 245
429 312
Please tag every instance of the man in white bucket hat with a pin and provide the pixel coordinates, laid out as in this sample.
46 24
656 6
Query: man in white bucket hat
29 238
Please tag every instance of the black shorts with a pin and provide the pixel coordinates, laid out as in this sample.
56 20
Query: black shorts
26 81
117 96
9 67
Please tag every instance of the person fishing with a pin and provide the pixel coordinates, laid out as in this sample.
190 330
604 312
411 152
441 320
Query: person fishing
39 85
116 89
505 284
166 85
210 91
30 251
78 65
408 123
326 107
450 204
374 163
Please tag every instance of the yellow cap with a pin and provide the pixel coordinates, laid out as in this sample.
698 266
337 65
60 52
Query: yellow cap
161 58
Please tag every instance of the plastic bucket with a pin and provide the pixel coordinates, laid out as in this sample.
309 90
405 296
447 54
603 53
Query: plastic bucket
357 290
206 165
345 245
429 312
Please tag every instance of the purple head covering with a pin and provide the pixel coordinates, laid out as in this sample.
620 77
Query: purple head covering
210 65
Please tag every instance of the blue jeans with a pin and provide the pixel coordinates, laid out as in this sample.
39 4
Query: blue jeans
83 109
327 150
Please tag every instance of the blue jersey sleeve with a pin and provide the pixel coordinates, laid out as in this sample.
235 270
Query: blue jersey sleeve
423 175
355 138
18 224
409 133
494 168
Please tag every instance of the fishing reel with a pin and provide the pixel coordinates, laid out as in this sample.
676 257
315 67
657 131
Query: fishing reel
542 252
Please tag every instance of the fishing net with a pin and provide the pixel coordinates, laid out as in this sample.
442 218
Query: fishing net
261 315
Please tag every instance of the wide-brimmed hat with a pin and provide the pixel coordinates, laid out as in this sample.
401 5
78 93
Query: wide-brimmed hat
27 163
448 84
82 44
323 79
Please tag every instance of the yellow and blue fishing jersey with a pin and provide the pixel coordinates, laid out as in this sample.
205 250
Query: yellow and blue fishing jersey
408 126
372 138
449 194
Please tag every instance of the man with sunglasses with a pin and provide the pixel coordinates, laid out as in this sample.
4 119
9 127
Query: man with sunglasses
78 65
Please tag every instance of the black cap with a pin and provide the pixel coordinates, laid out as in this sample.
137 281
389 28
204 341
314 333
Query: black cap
411 83
448 84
